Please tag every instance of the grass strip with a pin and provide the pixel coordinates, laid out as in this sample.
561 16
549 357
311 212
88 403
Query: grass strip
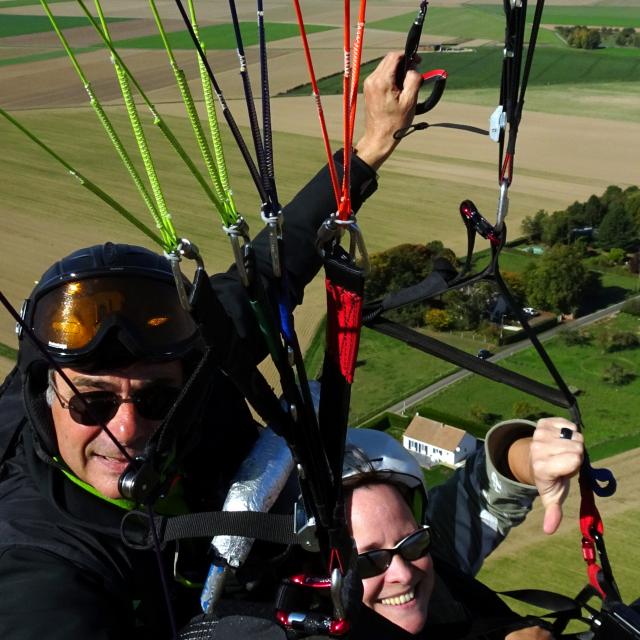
480 69
16 25
219 36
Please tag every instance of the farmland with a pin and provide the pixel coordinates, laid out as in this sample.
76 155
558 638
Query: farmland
580 133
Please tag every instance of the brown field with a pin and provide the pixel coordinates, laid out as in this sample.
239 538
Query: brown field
433 170
44 214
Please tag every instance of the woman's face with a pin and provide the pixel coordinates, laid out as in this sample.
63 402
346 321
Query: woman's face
380 518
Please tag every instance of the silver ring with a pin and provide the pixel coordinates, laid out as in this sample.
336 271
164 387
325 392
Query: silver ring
566 433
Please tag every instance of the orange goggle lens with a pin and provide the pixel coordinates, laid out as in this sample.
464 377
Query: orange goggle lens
71 316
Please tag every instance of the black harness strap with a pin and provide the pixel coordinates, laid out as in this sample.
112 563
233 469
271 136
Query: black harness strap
270 527
462 359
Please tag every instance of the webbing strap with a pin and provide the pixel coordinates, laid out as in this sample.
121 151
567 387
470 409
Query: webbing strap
270 527
436 283
467 361
344 315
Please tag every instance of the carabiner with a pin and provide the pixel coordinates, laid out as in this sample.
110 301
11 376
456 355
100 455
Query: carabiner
358 246
503 203
239 230
327 234
274 228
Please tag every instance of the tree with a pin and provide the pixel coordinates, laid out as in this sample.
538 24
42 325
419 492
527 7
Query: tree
559 281
593 211
625 37
593 39
533 226
516 284
467 308
437 319
618 229
400 267
557 228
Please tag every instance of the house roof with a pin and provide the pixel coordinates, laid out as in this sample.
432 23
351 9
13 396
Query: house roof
435 433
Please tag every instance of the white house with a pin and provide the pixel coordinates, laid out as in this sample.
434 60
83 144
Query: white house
438 442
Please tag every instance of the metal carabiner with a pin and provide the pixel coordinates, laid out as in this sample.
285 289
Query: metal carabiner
503 203
237 231
274 228
358 246
184 249
327 234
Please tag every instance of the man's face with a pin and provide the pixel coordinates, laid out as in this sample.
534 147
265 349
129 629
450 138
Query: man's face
87 450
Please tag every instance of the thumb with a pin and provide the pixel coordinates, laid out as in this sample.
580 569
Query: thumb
552 517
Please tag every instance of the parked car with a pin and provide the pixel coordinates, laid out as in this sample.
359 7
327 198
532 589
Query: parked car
530 311
483 354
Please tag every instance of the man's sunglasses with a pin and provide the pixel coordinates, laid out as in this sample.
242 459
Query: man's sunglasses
414 546
98 407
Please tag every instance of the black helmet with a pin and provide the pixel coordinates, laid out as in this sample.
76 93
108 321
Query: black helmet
105 306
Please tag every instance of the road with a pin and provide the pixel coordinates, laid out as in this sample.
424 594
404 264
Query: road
402 406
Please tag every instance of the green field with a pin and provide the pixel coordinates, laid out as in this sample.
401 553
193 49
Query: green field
45 55
481 69
219 36
11 25
9 4
556 563
467 22
610 412
487 21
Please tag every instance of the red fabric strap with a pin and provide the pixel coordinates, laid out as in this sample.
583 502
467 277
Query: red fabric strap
344 322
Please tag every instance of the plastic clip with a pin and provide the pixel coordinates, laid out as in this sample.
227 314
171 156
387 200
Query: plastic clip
497 122
237 232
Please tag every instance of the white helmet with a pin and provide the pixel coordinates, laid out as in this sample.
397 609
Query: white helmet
372 455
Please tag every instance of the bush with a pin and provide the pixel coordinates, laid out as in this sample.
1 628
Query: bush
483 415
524 410
437 319
617 375
574 337
622 340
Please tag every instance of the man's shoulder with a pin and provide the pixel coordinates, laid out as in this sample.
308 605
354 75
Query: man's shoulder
33 525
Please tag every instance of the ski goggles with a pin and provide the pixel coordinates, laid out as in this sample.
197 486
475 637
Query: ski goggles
72 318
413 547
95 408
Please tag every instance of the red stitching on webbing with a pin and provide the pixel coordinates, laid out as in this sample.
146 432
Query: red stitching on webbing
344 321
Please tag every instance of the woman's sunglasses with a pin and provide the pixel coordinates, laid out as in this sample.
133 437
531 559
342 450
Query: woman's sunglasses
414 546
93 408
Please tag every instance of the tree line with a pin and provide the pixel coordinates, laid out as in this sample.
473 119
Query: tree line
583 37
603 229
